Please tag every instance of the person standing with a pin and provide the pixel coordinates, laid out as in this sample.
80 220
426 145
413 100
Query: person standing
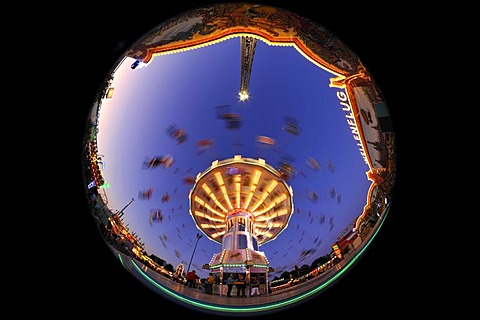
210 282
254 284
230 281
192 278
241 285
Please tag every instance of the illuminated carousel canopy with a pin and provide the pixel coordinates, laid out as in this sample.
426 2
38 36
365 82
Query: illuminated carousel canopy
241 184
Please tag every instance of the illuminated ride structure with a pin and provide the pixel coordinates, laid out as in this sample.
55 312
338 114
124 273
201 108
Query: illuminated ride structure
247 52
241 203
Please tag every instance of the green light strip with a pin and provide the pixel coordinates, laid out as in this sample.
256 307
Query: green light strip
267 307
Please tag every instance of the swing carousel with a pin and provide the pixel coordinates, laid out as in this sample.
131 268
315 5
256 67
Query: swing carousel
241 203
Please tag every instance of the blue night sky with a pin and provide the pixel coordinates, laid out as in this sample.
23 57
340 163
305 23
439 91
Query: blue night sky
185 89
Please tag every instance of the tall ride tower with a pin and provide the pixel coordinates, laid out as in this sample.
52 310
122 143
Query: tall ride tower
247 51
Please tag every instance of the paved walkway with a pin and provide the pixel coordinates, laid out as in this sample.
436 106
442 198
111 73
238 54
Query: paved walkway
161 284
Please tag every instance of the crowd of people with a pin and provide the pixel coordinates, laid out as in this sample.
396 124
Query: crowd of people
237 281
241 285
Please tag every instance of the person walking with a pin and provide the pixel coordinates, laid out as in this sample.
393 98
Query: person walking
230 281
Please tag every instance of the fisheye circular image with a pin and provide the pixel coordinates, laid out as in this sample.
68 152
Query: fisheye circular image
238 159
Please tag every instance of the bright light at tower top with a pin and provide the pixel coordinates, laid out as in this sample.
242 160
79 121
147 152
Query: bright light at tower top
243 95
